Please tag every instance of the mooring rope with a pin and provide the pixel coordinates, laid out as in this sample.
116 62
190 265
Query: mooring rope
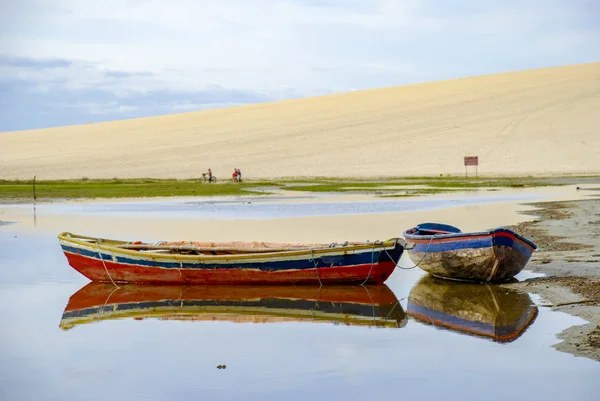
372 304
317 306
334 244
312 256
104 264
423 258
100 311
391 310
496 260
372 263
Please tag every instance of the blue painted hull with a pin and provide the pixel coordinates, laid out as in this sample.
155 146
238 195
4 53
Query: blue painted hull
489 256
472 308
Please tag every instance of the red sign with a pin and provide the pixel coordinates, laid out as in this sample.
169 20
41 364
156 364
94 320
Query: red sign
471 161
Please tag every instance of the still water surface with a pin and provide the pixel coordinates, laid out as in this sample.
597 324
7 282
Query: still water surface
273 208
415 338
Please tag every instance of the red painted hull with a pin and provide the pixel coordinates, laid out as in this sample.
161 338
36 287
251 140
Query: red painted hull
374 306
95 270
99 294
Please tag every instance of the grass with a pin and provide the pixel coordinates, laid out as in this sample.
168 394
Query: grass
150 187
441 183
120 188
423 191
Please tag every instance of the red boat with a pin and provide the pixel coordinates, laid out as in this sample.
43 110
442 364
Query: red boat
352 305
187 262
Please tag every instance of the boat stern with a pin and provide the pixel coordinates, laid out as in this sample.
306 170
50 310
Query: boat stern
395 254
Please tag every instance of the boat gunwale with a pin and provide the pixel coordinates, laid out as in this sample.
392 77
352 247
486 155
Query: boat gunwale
174 313
432 237
110 245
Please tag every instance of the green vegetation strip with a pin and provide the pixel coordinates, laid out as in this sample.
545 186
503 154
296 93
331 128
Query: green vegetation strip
407 185
396 187
69 189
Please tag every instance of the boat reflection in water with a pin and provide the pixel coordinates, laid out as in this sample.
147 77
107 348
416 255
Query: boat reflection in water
478 309
350 305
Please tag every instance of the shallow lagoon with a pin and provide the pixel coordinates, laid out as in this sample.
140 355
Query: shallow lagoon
270 208
307 354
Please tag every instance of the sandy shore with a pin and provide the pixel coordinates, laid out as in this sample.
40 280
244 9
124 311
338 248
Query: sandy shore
530 122
568 235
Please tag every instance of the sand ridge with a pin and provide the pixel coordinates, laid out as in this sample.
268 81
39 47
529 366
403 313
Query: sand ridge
540 121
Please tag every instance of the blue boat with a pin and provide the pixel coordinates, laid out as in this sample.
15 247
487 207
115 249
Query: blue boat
482 310
488 256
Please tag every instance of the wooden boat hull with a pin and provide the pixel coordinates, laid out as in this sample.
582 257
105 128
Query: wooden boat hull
106 260
353 305
476 309
493 256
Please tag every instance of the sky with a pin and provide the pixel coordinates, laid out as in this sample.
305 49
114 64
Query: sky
65 62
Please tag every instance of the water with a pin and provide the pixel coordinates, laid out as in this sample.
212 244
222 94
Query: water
319 346
257 208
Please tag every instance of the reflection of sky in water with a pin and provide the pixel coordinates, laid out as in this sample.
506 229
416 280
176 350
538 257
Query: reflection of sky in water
171 360
265 209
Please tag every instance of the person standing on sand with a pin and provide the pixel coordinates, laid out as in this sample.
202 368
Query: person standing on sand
234 176
239 174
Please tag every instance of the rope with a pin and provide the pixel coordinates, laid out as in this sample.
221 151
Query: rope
312 256
334 244
104 264
423 258
317 306
101 309
390 312
372 263
496 260
372 305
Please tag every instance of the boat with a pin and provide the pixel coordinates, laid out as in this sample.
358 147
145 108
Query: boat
369 305
482 310
488 256
192 262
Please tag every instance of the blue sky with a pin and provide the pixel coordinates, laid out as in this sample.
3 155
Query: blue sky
68 62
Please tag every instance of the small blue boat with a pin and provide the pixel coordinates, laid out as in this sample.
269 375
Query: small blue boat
488 256
482 310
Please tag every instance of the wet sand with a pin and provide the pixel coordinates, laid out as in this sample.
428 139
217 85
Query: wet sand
568 235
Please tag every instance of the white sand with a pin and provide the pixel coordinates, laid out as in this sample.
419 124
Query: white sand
542 121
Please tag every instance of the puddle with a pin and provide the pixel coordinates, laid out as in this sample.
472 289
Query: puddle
415 337
264 209
373 306
483 310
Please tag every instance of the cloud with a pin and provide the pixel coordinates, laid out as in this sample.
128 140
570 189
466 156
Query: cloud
271 50
125 74
24 62
24 106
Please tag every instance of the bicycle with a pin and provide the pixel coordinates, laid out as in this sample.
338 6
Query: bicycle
204 179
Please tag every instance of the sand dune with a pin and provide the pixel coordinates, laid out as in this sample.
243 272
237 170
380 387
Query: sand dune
544 121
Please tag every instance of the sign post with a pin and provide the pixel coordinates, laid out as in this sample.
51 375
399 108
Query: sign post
471 161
